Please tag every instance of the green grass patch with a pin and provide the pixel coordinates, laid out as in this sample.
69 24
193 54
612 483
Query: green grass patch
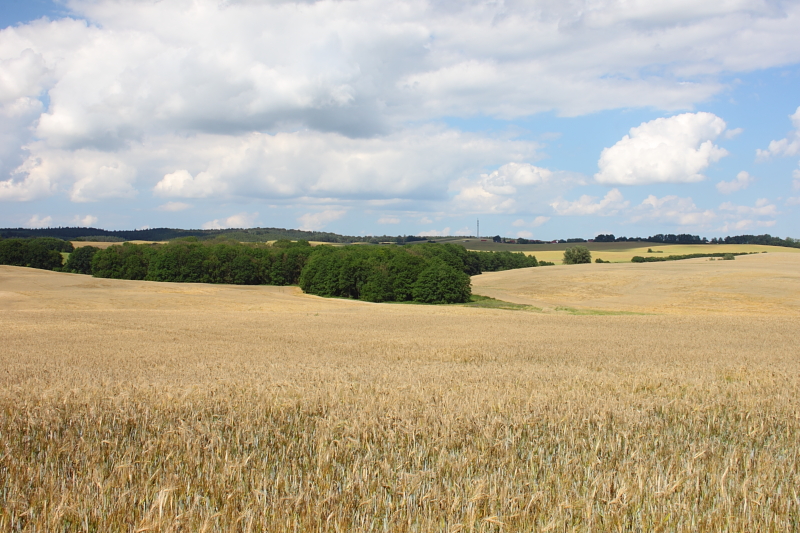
486 302
573 311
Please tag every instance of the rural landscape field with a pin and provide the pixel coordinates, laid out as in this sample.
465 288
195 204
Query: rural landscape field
629 397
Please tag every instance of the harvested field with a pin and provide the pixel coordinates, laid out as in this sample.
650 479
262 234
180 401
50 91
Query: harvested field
137 406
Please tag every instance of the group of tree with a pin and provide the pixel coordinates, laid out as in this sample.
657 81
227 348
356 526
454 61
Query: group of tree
683 238
429 273
42 252
577 255
191 261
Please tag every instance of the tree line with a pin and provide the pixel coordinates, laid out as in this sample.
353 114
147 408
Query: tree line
42 252
685 238
428 273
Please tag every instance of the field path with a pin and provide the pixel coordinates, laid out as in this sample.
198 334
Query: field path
762 284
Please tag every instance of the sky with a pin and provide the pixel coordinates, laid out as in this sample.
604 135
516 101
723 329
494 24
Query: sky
542 119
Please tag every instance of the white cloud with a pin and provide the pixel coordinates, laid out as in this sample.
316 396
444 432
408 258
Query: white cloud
525 234
743 179
762 208
507 178
388 220
672 210
732 134
535 223
181 184
611 204
86 221
317 221
664 150
409 164
746 224
174 206
425 220
175 90
789 145
39 222
793 200
436 232
240 220
511 188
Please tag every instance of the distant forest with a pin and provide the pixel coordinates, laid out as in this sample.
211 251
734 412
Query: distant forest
274 234
168 234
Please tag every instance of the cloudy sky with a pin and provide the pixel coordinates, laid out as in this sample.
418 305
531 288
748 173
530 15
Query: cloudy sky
545 119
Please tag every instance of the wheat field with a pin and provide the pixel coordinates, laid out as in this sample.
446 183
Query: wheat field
137 406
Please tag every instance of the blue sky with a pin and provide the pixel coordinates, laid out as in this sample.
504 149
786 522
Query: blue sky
542 119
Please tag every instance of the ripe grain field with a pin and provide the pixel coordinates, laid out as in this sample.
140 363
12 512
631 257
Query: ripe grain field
137 406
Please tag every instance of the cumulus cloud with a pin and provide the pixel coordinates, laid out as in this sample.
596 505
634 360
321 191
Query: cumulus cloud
39 222
409 164
240 220
85 221
746 224
743 179
762 207
436 232
174 206
664 150
388 220
672 210
611 204
535 223
511 188
788 146
320 219
181 184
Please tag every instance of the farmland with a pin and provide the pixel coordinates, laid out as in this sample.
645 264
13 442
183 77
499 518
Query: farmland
141 406
614 252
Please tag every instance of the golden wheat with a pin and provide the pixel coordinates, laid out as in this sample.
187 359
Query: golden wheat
135 406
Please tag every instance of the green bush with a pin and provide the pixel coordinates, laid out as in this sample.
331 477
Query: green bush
577 255
637 259
728 257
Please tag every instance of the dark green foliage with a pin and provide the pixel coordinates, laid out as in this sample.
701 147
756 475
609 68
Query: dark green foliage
598 260
80 261
191 261
577 255
371 273
728 257
127 261
12 252
44 253
51 243
640 259
440 283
